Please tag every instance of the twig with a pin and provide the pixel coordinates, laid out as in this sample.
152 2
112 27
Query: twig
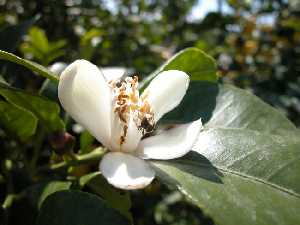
95 155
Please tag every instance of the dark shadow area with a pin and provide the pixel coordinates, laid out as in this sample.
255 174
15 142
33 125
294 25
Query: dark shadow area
155 205
2 216
195 164
11 36
199 102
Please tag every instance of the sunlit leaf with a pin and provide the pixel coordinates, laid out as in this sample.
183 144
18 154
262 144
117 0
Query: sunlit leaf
34 67
229 197
40 48
38 39
197 64
231 107
249 164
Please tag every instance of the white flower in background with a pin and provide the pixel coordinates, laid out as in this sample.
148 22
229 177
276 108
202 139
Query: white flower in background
57 67
110 73
117 116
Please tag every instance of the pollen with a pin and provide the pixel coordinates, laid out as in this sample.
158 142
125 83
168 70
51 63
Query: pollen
127 103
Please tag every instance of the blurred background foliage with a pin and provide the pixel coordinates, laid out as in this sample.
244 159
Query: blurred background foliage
256 44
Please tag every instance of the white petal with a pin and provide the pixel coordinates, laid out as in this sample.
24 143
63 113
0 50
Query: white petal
112 73
166 91
58 67
116 132
131 139
172 143
85 95
126 171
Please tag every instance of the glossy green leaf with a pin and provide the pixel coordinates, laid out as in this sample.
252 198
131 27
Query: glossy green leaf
231 107
271 158
78 208
116 198
197 64
34 67
248 170
45 110
17 121
39 192
229 197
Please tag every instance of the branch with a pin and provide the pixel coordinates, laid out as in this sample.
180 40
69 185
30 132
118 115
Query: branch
95 155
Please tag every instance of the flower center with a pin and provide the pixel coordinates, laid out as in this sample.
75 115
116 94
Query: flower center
127 104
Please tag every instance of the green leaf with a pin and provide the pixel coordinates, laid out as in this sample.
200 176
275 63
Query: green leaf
229 197
17 121
39 192
41 48
51 56
78 208
248 170
272 158
45 110
197 64
116 198
32 50
34 67
39 39
231 107
57 45
86 140
89 35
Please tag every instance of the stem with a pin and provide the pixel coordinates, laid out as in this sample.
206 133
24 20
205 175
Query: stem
9 190
36 150
8 201
10 198
95 155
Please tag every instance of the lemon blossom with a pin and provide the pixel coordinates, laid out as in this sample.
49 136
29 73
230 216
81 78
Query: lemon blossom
123 121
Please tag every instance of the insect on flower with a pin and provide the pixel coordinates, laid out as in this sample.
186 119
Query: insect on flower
120 118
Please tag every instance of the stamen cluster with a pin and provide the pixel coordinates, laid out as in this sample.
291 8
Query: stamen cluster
128 103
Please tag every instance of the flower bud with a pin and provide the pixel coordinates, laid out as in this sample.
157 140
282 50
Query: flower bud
62 143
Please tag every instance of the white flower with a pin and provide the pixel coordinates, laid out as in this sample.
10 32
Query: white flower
57 67
115 114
